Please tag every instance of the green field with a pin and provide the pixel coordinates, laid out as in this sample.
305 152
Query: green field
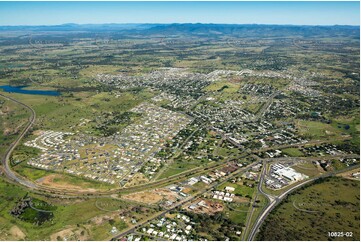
254 107
227 87
349 125
293 152
237 212
13 118
65 113
308 169
243 190
177 167
238 217
317 130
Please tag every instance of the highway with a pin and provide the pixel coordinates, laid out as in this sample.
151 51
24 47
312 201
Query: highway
259 191
6 159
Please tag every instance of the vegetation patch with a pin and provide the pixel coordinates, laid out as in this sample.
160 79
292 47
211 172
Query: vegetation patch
33 211
293 152
316 130
227 87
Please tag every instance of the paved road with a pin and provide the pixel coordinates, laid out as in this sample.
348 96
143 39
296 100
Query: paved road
251 209
265 107
312 158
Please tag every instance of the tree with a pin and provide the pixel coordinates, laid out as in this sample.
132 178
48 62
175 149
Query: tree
111 222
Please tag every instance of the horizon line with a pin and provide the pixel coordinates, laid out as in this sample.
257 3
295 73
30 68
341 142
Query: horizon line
204 23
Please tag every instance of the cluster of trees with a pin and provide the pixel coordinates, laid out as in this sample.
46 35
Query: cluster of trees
33 210
217 226
349 146
114 122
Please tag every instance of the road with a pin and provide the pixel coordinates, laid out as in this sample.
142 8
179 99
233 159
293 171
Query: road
251 209
259 191
312 158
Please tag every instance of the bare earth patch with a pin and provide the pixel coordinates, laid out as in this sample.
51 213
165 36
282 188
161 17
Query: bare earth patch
16 232
71 233
98 220
145 197
241 199
187 190
153 196
137 179
38 132
49 181
348 174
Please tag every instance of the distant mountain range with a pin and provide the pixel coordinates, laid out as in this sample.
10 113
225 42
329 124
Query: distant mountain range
250 29
195 29
77 27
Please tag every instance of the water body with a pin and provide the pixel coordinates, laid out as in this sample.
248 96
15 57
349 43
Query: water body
20 89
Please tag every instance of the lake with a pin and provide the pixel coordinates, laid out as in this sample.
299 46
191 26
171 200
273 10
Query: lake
20 89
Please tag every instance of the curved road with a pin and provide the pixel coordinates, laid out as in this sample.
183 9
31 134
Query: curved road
5 161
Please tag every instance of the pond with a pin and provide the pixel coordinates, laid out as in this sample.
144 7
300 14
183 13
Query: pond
20 89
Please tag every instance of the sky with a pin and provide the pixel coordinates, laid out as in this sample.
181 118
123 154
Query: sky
297 13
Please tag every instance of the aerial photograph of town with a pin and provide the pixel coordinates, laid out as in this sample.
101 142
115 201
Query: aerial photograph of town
180 121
